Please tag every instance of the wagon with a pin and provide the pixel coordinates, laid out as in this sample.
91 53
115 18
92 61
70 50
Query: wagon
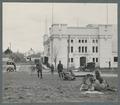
88 67
11 66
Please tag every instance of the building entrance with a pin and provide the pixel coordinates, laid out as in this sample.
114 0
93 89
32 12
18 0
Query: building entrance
82 61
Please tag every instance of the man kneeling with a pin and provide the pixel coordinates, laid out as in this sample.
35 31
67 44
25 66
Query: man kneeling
68 75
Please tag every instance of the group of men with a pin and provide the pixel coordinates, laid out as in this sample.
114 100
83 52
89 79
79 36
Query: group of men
90 82
95 83
59 68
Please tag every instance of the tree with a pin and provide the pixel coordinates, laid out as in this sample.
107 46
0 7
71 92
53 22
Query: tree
55 55
8 51
18 57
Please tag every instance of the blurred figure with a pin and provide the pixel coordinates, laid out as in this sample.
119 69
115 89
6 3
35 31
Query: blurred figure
69 76
87 83
100 83
52 69
39 69
109 64
60 70
14 66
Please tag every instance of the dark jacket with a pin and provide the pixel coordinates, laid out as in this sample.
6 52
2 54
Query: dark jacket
60 67
52 68
39 67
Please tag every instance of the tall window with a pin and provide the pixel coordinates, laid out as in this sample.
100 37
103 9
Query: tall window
93 48
79 41
93 41
86 41
96 41
72 49
93 59
71 40
115 59
82 49
71 59
82 41
96 59
79 49
96 49
86 49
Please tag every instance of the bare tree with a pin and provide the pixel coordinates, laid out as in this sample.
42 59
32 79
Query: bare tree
55 55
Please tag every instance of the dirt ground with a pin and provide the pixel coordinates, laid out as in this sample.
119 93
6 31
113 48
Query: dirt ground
22 87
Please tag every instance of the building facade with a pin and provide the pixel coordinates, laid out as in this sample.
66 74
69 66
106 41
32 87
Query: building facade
81 45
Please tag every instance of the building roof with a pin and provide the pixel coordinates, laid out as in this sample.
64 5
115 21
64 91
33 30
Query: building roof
90 29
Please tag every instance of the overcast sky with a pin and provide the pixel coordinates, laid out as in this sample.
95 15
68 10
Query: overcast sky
24 24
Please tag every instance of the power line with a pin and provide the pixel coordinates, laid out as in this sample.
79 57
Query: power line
52 13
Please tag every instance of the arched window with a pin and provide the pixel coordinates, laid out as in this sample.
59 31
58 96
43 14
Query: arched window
71 40
93 49
86 49
71 49
79 49
82 49
96 49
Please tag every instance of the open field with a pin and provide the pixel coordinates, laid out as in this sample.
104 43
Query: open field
22 87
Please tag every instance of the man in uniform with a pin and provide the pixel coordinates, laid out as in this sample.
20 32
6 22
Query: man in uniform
39 69
52 69
60 70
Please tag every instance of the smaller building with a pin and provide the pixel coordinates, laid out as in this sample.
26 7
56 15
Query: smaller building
34 57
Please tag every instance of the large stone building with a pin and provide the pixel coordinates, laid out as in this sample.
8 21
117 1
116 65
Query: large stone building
93 43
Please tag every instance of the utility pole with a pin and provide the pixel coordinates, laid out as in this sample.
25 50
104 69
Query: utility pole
68 52
52 13
99 41
10 45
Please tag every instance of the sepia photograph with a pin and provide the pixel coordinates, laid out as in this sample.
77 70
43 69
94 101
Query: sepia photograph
60 52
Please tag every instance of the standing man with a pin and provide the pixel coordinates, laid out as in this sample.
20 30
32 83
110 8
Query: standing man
60 69
39 69
14 66
52 69
109 64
